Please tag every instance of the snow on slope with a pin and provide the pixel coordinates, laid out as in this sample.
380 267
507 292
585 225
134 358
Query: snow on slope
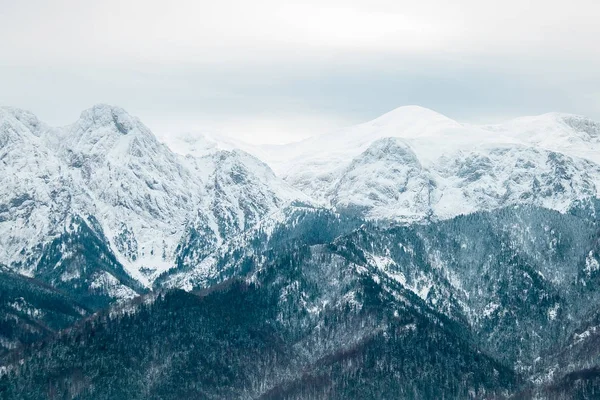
199 144
387 173
241 191
142 195
497 176
387 181
314 165
410 164
575 135
109 166
36 191
437 167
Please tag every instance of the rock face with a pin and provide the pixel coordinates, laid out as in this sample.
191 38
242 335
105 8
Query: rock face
108 175
385 181
408 257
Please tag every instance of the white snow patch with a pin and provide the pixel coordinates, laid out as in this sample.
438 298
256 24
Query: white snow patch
112 286
591 264
490 308
553 312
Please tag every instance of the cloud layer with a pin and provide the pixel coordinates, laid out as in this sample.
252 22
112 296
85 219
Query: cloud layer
273 71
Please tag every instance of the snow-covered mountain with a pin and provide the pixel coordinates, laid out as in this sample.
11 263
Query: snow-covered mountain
199 144
109 172
157 209
413 163
571 134
36 192
141 193
327 258
387 174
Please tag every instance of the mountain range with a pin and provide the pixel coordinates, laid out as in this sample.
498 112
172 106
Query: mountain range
411 256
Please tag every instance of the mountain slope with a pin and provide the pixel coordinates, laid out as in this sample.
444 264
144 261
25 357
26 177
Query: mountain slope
136 199
321 305
519 272
452 169
386 175
141 194
30 311
36 193
310 324
441 260
575 135
388 181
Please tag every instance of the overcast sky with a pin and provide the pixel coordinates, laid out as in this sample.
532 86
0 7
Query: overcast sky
271 71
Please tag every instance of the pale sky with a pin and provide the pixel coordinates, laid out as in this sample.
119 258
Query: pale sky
269 71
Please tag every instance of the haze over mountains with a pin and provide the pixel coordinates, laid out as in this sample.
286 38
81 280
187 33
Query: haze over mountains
461 167
345 265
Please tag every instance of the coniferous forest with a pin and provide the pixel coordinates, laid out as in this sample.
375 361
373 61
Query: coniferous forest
332 307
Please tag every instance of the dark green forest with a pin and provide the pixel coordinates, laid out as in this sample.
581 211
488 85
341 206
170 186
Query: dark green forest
492 305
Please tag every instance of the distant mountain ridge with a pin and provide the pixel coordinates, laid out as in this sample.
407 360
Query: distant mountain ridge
468 167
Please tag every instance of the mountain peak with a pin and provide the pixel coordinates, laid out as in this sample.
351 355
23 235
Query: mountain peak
412 113
108 131
27 118
410 122
101 115
101 108
393 146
